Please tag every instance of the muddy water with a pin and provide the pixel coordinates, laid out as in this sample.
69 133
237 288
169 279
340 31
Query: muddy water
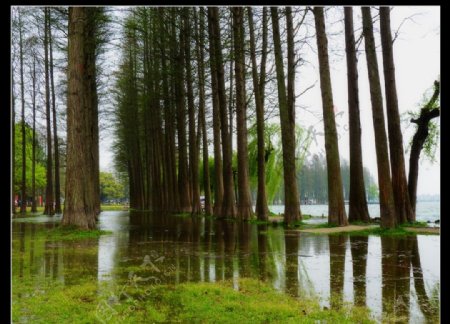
393 276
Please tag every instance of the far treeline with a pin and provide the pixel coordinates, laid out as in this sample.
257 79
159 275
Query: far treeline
189 81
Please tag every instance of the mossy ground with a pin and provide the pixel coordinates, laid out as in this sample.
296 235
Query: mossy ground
91 302
70 233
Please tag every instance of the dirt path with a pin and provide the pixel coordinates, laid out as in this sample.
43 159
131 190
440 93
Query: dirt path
349 228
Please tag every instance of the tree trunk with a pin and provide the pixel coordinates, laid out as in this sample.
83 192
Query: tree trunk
48 210
287 120
79 207
183 171
336 207
262 209
228 205
358 210
244 205
403 208
55 128
13 148
33 165
387 206
23 193
201 107
218 166
193 152
426 114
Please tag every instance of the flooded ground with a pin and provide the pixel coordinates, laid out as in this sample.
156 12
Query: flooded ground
394 276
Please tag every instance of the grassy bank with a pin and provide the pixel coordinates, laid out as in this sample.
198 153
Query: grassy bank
255 302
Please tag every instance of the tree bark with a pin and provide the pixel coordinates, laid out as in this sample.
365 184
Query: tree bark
244 205
228 205
387 205
49 208
183 171
201 107
79 207
55 128
218 166
358 210
336 207
23 187
193 152
262 209
33 165
292 206
403 208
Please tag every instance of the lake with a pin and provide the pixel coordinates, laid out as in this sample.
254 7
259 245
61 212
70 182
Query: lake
390 275
425 210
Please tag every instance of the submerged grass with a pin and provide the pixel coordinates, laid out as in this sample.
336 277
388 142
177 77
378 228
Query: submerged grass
71 233
92 302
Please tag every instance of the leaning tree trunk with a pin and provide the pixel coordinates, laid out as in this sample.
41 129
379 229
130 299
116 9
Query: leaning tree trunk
55 128
426 115
23 193
245 209
287 121
13 148
358 210
79 206
336 207
403 208
48 210
387 206
262 209
228 205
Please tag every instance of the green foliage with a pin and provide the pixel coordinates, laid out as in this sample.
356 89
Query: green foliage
110 187
274 156
427 102
40 172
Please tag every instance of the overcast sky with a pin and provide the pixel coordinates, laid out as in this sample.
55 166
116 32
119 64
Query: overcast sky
417 63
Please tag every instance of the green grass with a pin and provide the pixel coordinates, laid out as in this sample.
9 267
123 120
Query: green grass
397 231
92 302
415 224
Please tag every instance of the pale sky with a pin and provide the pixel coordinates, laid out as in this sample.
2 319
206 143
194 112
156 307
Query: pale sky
417 62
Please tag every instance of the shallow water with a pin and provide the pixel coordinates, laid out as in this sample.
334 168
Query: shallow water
392 276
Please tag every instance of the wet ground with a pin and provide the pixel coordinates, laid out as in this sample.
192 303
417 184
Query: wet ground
394 276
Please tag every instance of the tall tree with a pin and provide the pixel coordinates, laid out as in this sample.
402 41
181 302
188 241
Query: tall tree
262 209
23 193
244 205
55 127
79 207
336 207
403 208
193 152
228 205
49 207
287 120
200 48
218 165
427 113
33 163
183 170
387 205
358 210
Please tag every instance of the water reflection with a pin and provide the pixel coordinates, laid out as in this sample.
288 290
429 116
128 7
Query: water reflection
361 270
